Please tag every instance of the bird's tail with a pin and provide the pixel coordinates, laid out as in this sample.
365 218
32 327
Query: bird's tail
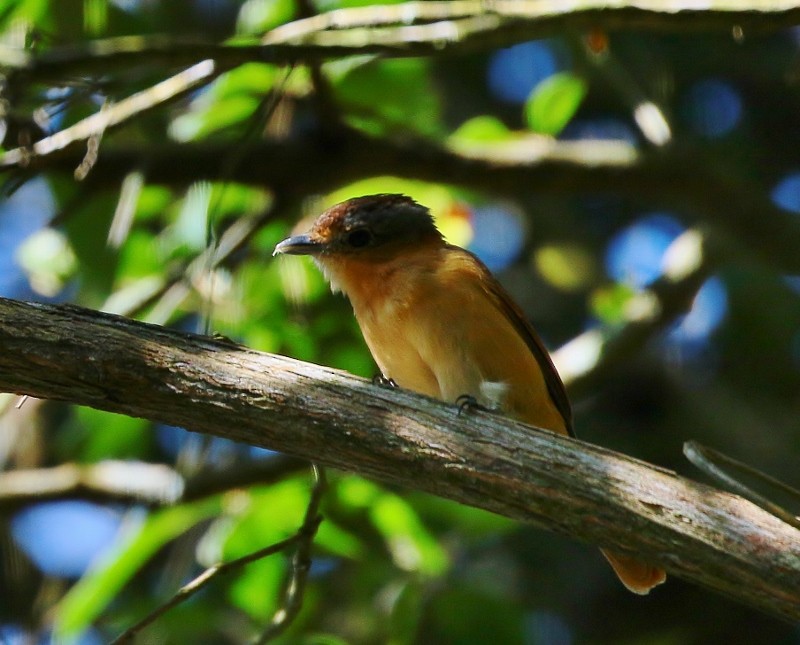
639 577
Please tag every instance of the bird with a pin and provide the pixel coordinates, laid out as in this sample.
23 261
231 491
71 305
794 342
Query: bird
437 322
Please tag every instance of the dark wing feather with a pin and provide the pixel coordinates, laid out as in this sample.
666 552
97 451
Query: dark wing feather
512 311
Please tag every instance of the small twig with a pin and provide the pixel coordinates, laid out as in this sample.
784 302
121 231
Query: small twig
301 563
708 460
303 538
191 588
323 93
155 485
108 117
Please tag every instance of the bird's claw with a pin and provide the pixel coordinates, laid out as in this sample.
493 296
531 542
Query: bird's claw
468 402
382 381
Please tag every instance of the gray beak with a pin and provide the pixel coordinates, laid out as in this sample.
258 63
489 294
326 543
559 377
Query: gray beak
298 245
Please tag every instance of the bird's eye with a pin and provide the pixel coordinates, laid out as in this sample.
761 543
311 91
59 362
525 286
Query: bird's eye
358 238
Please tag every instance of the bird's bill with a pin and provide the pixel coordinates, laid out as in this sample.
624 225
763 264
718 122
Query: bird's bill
298 245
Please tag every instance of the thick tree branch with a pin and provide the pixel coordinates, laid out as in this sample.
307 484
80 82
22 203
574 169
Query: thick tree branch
576 489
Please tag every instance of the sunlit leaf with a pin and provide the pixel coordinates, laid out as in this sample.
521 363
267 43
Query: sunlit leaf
472 522
554 102
110 436
140 256
609 303
229 102
256 589
152 202
357 492
95 16
387 95
483 129
48 260
567 267
225 113
257 16
413 548
274 513
191 228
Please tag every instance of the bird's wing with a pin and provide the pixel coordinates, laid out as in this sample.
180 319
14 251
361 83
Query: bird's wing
506 304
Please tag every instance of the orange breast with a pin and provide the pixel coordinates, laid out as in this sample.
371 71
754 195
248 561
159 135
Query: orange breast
433 325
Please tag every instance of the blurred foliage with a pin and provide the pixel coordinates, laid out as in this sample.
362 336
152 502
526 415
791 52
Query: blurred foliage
392 566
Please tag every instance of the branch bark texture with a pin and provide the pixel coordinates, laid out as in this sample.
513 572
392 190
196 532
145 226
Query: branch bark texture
695 531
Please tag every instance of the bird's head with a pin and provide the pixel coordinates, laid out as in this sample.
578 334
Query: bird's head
371 229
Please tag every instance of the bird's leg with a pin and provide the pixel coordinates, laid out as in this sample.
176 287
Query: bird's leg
383 381
468 402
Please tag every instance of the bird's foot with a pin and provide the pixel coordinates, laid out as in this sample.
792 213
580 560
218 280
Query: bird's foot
467 402
383 381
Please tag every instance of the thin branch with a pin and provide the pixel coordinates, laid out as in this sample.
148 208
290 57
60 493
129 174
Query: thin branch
699 183
303 538
712 461
111 115
573 488
301 563
134 482
170 290
409 29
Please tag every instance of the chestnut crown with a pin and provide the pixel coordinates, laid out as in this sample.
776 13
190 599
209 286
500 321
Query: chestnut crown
358 225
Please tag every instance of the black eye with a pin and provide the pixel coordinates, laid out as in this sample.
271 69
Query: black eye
358 238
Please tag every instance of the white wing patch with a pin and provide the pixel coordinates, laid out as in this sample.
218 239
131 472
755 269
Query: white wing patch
493 394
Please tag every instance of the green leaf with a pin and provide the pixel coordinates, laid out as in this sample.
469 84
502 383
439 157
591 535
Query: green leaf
95 16
225 113
468 617
190 230
407 611
274 513
84 602
388 95
259 16
609 303
87 229
554 102
481 129
48 260
256 589
229 102
412 547
111 436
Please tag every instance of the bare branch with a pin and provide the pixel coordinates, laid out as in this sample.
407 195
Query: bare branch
685 179
573 488
135 482
111 115
410 29
303 538
301 563
714 463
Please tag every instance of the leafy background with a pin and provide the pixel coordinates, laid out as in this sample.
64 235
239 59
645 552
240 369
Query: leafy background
393 565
